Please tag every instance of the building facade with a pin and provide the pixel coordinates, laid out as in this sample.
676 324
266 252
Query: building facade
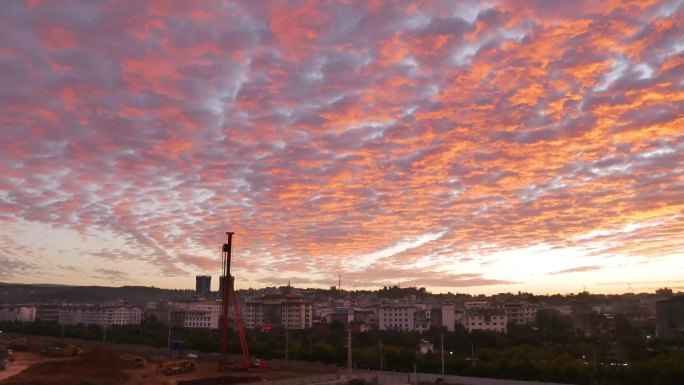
494 320
286 311
77 314
203 285
403 317
194 314
670 317
520 313
18 313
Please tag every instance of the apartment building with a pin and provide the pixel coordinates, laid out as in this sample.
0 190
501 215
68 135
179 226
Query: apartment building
520 313
18 313
494 320
403 317
286 311
76 314
476 305
193 314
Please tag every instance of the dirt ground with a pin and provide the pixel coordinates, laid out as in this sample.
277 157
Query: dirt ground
149 376
205 370
106 367
22 361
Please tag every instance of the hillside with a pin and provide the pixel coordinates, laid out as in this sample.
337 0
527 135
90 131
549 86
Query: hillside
11 293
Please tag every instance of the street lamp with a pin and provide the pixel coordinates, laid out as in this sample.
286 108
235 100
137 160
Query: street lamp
472 354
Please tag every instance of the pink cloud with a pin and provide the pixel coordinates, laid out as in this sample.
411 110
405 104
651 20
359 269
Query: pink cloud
320 132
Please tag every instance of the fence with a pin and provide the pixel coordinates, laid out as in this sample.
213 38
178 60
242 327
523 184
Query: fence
386 378
303 380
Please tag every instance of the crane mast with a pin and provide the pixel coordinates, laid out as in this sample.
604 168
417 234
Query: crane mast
227 295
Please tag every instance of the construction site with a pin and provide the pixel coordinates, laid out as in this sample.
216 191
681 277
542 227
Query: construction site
53 361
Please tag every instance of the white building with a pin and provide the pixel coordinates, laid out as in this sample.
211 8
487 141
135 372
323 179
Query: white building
448 317
520 313
494 320
18 313
565 310
195 314
121 315
200 314
200 319
403 317
290 312
75 314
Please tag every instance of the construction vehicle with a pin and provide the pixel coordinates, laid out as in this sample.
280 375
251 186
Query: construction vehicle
228 293
6 356
55 351
171 368
140 361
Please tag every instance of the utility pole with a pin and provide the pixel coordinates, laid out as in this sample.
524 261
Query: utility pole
287 341
381 357
441 337
472 354
349 351
168 337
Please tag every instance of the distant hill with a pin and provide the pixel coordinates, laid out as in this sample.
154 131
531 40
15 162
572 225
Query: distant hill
11 293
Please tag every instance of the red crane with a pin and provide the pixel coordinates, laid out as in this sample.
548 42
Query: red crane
228 293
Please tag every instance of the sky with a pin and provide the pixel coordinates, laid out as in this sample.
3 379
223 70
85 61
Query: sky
471 147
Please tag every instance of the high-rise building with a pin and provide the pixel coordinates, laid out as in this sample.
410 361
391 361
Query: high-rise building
203 285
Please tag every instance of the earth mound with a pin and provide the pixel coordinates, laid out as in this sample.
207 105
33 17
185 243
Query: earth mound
99 365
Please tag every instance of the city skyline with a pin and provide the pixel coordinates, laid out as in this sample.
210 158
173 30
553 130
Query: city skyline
459 146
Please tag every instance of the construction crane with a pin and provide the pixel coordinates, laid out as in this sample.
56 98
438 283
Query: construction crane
228 293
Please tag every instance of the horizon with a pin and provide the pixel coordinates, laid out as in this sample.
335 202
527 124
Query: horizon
428 291
460 146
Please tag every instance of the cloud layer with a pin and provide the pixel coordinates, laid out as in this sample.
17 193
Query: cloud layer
377 140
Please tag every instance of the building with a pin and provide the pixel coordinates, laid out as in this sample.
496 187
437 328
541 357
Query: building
359 326
200 319
520 313
48 312
222 285
342 315
101 315
364 315
203 285
18 313
448 317
193 314
403 317
275 310
582 319
494 320
477 305
664 292
670 317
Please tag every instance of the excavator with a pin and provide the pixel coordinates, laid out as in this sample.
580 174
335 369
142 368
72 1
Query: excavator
228 293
